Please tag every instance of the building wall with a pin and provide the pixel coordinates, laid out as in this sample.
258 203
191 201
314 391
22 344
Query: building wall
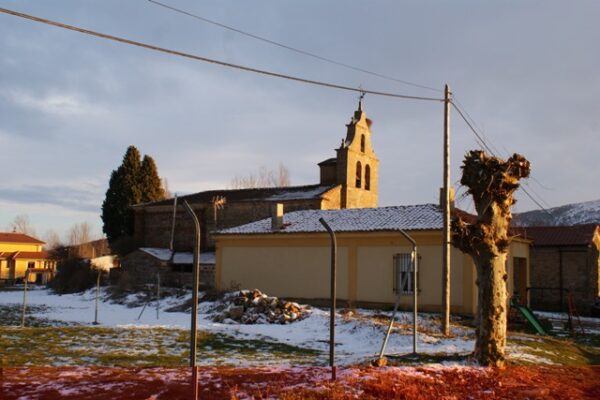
20 247
15 268
21 265
143 268
5 272
153 224
574 268
297 266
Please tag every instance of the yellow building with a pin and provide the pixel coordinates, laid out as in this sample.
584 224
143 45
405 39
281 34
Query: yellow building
20 253
289 256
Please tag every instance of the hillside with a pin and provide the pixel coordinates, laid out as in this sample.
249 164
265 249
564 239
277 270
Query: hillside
571 214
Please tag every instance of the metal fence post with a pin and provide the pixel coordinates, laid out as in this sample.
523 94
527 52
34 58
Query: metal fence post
194 322
24 298
332 297
97 299
415 257
157 293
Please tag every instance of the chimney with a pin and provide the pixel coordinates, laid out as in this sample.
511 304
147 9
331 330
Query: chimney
276 216
451 198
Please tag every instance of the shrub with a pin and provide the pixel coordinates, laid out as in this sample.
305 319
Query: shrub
73 275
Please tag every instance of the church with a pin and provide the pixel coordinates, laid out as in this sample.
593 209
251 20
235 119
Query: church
348 180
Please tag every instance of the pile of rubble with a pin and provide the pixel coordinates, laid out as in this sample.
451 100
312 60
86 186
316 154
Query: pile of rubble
255 307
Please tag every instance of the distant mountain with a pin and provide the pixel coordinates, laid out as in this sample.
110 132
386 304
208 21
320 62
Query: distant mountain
571 214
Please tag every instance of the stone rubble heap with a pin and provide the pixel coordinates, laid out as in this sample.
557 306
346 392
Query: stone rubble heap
255 307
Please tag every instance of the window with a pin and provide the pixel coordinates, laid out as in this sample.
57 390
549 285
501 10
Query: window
367 177
358 174
31 264
403 273
362 143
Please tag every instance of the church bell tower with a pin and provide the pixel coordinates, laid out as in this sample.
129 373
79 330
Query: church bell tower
356 167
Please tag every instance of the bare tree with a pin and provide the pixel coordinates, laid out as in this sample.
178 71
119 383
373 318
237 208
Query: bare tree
165 187
52 239
492 182
283 176
264 177
79 234
21 224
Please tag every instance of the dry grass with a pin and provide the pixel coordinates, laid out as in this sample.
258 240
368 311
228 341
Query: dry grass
302 383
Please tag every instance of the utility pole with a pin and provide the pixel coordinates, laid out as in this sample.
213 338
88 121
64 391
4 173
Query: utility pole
446 234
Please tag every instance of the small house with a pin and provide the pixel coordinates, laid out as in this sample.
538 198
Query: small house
22 255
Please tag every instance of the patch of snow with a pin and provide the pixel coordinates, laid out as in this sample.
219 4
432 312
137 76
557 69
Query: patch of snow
417 217
358 337
180 257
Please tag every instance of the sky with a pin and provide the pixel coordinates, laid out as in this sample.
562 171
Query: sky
527 73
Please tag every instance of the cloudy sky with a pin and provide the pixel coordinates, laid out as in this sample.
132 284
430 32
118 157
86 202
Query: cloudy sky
527 72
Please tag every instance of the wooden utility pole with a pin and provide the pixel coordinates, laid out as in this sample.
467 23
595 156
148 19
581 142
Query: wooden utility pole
446 234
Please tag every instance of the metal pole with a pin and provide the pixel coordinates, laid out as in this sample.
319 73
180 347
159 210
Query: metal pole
446 234
415 288
24 298
157 293
415 305
196 269
332 297
97 299
173 224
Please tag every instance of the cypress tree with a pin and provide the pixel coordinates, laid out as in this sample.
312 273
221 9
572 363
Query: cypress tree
123 192
150 182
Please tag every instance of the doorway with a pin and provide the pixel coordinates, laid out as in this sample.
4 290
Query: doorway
520 279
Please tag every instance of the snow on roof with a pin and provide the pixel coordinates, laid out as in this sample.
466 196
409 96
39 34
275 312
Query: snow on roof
180 257
299 195
416 217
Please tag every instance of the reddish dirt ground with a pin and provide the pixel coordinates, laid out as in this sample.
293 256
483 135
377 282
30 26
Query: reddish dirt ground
301 383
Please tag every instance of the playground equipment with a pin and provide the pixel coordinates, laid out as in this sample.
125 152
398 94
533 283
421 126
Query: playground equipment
528 315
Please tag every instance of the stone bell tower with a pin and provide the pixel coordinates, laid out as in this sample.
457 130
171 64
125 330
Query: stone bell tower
356 167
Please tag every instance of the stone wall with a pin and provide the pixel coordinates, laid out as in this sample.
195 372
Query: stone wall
153 224
142 269
576 267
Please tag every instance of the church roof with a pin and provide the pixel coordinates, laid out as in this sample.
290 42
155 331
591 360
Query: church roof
414 217
276 194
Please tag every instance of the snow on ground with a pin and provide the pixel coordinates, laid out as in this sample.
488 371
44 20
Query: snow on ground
357 339
590 325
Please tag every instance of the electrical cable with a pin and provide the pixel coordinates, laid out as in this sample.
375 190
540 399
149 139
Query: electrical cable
210 60
494 154
294 49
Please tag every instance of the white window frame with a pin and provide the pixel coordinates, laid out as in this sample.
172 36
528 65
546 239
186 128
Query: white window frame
402 273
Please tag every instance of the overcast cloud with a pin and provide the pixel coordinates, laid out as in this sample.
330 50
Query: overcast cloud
527 72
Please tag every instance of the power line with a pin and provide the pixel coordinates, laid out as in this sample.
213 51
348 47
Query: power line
294 49
210 60
493 153
472 128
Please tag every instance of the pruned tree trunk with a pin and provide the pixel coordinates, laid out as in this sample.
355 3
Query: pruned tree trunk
491 182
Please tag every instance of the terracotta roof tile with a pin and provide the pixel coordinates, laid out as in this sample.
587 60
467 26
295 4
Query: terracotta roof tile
34 255
12 237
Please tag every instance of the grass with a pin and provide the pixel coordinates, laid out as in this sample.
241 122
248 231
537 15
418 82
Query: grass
127 347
